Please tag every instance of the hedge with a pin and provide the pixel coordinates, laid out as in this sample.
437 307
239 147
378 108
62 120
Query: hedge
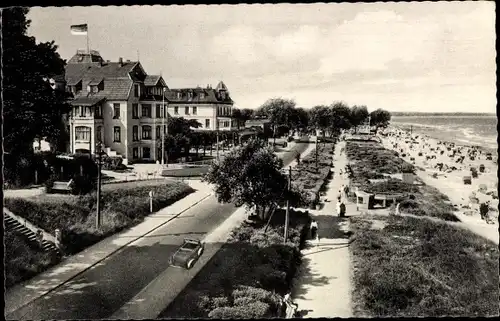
123 205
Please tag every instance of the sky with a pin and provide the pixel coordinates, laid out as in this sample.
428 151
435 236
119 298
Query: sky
413 57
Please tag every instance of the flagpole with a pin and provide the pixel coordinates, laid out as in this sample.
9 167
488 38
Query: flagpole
88 46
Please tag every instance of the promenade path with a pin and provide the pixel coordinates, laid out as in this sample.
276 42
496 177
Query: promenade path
100 280
323 287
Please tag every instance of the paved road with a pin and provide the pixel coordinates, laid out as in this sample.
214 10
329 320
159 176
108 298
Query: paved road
103 289
98 292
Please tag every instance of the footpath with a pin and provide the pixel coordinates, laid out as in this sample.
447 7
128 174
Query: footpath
50 280
24 293
323 286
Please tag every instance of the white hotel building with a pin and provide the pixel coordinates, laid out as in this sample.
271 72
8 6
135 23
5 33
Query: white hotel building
118 104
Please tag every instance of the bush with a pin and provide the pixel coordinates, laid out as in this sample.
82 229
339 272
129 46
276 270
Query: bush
428 263
23 259
123 205
254 311
83 185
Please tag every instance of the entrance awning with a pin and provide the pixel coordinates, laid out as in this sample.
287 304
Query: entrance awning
86 101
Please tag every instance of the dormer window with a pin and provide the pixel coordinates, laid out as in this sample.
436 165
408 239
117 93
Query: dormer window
179 95
190 95
202 95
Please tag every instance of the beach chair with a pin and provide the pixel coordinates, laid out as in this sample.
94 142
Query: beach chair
467 180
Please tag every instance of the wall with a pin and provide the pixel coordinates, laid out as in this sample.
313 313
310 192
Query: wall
109 123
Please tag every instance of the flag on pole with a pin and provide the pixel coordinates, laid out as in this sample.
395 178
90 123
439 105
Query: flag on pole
80 30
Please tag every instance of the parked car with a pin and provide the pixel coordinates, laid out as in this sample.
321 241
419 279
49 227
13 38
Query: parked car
187 254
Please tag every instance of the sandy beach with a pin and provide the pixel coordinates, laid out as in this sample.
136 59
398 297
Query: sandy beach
444 165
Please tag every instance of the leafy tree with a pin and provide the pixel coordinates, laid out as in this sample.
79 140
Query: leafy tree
358 115
299 119
380 118
339 117
32 109
320 117
279 111
247 114
237 116
249 175
179 136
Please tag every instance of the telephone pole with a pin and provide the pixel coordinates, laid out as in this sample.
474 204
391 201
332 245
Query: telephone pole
99 165
287 215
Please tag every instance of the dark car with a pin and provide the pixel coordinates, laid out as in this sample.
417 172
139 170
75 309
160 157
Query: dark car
187 254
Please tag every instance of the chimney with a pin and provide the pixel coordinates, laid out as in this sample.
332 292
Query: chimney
120 61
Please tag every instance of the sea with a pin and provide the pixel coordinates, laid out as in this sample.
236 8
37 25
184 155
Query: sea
460 129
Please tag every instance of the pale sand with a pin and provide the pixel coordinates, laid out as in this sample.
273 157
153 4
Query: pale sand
451 183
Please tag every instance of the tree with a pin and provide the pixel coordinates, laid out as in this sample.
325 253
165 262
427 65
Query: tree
358 115
299 119
32 109
380 118
320 117
339 117
249 175
279 111
237 116
247 114
180 135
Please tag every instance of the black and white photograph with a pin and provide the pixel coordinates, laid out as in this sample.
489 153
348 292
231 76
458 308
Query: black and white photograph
236 161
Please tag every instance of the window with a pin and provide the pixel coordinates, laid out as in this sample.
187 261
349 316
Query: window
146 152
202 95
186 110
82 133
207 123
135 153
82 111
99 133
98 111
158 111
135 111
116 134
179 95
135 133
225 123
158 132
176 110
116 111
195 110
136 90
146 110
146 132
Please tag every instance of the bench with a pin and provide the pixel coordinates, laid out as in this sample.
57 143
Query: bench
61 186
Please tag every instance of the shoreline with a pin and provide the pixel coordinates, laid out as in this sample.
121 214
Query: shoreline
419 128
450 181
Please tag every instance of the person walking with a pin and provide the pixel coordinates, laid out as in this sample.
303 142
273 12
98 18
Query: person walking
314 231
338 207
397 209
342 209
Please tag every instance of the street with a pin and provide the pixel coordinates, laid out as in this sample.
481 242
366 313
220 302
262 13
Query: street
98 292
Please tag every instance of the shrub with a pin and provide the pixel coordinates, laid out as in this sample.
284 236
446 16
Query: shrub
253 310
83 185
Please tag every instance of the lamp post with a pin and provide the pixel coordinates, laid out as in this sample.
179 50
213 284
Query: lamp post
164 129
99 165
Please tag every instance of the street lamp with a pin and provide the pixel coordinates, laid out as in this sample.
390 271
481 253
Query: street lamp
164 129
99 166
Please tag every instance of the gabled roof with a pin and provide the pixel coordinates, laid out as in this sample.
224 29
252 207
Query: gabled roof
117 82
221 86
152 80
95 81
199 95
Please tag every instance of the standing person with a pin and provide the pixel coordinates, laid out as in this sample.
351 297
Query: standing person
338 207
397 209
297 157
483 210
342 209
314 231
346 191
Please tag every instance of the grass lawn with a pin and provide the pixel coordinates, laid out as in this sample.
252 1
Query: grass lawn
415 267
123 205
23 260
248 276
305 176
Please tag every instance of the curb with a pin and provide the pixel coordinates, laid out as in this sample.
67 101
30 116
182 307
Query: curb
107 256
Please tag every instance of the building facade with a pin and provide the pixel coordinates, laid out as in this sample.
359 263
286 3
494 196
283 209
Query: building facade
121 106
